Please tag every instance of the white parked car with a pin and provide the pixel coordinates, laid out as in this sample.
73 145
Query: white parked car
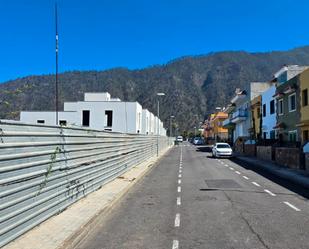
222 150
179 139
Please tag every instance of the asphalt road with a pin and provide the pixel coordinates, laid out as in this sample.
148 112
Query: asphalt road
190 200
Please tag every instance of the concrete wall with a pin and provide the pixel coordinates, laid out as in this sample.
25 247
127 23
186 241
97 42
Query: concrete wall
250 149
264 152
289 157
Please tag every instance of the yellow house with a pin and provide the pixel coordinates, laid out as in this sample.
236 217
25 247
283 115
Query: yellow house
304 106
255 130
219 132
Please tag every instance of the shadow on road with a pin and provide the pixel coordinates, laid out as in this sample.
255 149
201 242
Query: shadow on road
284 183
203 149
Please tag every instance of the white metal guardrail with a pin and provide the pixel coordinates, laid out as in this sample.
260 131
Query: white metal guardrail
44 169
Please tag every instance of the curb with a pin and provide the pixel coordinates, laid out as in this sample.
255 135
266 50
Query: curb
84 231
282 173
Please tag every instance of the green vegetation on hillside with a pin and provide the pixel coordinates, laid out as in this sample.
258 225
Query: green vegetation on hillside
194 86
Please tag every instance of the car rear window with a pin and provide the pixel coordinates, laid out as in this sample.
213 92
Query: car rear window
223 146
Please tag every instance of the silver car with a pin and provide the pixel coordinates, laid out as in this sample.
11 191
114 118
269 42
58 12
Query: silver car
222 150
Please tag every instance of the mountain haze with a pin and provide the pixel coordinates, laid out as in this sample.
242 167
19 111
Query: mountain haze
193 85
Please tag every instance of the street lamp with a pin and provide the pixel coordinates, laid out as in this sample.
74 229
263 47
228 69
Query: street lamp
158 113
171 117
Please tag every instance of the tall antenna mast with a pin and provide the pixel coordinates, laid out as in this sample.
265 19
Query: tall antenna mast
56 88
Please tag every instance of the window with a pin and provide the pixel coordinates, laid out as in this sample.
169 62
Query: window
272 134
292 102
40 121
62 122
264 110
305 97
280 107
109 118
86 118
272 107
264 135
305 136
292 136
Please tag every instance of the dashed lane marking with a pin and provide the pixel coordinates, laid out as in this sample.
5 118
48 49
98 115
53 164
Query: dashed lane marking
177 220
291 206
179 175
269 192
178 189
237 172
178 201
231 168
256 184
175 244
247 178
179 181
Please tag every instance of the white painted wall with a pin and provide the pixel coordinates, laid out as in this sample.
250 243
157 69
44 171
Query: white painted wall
269 121
145 122
49 117
152 123
97 96
127 116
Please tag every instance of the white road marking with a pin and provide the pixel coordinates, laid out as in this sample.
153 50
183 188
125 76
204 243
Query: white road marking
291 206
269 192
178 201
179 175
247 178
231 168
175 244
237 172
179 181
180 171
179 189
225 165
256 184
177 220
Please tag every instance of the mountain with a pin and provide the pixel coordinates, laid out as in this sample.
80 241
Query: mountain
194 85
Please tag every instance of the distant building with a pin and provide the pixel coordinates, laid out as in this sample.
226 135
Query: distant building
268 113
255 107
100 112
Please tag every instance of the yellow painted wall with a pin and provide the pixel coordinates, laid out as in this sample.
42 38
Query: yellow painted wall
304 110
255 106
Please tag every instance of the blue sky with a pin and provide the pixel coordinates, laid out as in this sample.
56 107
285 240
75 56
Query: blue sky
102 34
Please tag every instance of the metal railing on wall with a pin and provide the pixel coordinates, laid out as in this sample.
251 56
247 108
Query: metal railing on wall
44 169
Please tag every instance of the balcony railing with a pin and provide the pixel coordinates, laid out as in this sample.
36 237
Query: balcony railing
239 115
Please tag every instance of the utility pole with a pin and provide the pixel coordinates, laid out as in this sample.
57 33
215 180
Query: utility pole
158 123
56 88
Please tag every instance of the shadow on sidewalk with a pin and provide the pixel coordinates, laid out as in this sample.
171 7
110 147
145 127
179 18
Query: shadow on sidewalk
298 189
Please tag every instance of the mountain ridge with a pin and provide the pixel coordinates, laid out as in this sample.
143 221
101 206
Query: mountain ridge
194 85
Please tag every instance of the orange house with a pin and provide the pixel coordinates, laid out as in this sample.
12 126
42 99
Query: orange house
213 128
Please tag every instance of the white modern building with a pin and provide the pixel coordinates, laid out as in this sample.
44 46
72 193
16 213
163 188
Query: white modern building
100 112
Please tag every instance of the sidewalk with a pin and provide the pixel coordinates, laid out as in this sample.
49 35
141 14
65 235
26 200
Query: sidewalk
69 227
298 177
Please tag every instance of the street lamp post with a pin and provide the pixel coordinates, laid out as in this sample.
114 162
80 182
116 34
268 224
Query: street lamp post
158 113
171 118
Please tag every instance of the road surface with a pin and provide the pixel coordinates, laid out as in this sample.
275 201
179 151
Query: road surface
190 200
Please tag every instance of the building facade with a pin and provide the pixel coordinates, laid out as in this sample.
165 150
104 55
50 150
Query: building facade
100 112
268 113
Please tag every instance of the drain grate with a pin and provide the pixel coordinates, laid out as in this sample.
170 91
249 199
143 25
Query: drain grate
222 183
